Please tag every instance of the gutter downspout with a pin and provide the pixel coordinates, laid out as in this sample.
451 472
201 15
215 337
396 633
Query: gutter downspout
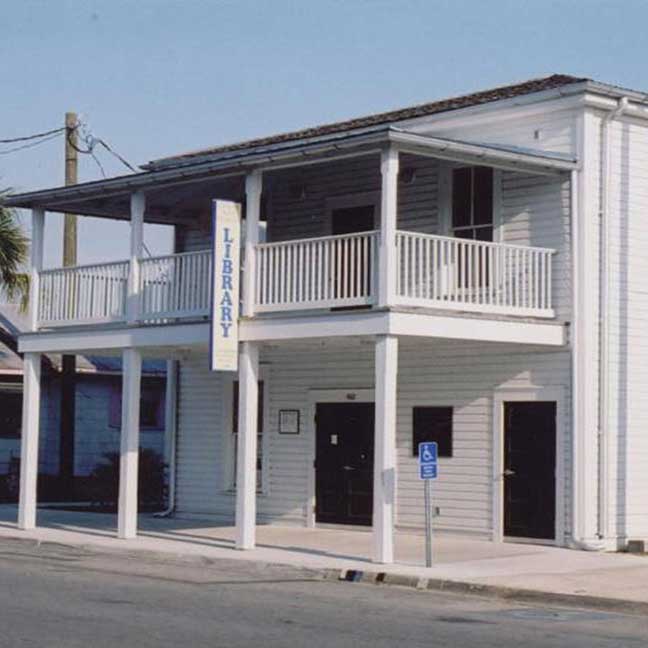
170 418
604 329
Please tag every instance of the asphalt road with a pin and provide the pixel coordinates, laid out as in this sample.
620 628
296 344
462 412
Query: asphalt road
58 596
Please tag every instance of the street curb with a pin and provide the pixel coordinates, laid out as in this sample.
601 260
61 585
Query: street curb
518 595
377 578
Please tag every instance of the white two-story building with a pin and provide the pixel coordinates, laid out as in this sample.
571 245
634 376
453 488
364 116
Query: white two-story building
468 271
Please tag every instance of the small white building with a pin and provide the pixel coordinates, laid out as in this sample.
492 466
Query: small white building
469 271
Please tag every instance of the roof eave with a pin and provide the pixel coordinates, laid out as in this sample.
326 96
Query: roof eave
237 164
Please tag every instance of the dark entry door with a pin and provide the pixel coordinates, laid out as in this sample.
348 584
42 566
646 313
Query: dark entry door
344 463
530 469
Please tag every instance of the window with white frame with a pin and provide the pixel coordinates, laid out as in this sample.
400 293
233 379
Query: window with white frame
234 433
472 203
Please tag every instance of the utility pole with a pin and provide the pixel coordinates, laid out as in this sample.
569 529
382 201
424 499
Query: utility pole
71 178
68 362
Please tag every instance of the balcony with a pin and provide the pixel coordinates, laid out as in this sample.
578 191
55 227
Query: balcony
332 272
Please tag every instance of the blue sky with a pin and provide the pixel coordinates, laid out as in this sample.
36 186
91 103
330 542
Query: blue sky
154 77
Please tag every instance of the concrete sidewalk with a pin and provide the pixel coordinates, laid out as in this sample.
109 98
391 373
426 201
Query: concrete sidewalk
476 563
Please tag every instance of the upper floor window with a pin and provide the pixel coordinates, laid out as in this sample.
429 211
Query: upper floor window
472 203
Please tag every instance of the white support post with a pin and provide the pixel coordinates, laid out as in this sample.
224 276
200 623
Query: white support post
37 237
384 487
129 454
253 188
247 446
388 218
170 428
138 205
29 444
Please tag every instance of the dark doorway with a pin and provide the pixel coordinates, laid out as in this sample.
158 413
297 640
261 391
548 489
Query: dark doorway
347 220
344 463
530 469
354 280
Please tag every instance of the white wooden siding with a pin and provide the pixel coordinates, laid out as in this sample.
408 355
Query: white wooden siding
430 373
628 328
551 131
536 211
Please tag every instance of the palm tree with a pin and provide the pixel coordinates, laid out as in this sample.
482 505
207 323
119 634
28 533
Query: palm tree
14 245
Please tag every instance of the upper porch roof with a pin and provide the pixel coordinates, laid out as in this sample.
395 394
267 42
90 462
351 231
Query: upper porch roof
110 197
393 117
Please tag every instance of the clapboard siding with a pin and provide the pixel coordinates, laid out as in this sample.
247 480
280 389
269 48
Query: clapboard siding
628 327
199 478
536 211
430 373
551 131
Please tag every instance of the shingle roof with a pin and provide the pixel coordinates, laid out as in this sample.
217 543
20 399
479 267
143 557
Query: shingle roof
486 96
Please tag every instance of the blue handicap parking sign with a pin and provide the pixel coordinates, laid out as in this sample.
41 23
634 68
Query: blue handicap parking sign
428 471
428 452
428 456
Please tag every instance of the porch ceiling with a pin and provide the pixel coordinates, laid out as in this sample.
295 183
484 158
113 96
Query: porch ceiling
186 191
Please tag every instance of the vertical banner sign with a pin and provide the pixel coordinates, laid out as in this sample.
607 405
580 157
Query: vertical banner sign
226 247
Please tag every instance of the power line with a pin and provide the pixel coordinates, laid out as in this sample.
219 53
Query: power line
91 142
96 159
13 140
32 144
119 157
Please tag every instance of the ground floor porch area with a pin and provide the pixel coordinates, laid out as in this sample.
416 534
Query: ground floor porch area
480 562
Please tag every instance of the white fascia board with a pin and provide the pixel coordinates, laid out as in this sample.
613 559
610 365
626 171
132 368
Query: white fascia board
634 110
458 151
472 328
314 326
179 336
80 341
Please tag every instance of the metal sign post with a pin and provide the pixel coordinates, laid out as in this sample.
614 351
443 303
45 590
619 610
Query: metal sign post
428 455
427 486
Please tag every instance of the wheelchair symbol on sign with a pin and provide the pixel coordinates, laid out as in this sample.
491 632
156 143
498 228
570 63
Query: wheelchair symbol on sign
427 455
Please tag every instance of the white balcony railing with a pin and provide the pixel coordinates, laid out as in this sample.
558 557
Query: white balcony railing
175 286
317 273
83 294
327 272
467 275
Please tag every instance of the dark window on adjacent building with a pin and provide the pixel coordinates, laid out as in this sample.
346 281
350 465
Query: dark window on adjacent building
432 424
472 203
151 407
10 414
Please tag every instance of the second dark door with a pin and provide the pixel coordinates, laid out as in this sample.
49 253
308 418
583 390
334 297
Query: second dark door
530 469
344 463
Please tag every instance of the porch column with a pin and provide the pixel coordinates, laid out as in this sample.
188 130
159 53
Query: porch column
29 443
31 386
384 486
137 207
129 452
388 216
253 188
247 445
36 265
